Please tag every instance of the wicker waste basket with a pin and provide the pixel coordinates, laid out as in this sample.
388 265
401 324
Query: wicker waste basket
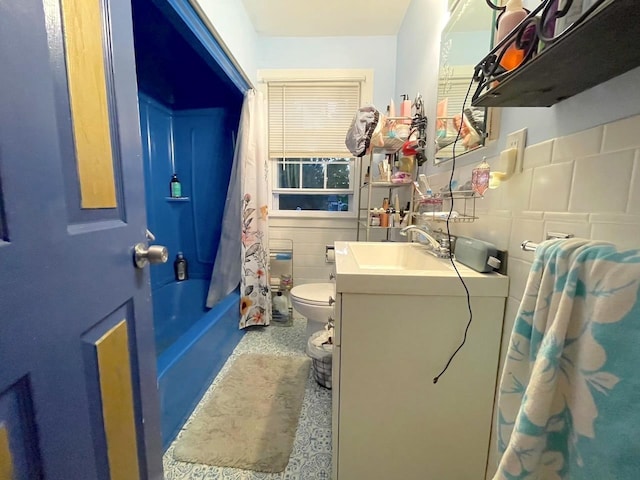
321 360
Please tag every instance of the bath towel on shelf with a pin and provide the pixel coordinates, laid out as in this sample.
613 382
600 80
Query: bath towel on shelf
570 389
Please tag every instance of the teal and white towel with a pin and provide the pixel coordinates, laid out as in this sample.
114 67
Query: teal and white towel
569 405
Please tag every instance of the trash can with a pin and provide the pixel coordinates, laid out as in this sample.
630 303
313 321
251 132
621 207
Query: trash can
321 360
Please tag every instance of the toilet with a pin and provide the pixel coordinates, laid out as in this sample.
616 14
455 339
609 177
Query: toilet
312 301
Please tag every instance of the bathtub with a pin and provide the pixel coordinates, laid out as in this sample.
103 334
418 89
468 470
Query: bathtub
192 344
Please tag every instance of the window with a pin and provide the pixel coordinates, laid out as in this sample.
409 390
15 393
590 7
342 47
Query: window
312 171
316 184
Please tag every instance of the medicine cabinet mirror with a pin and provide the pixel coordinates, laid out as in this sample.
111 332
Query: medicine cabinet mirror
465 39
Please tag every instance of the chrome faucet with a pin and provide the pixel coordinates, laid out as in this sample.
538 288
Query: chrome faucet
437 248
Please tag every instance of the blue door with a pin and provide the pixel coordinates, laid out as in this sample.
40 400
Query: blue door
78 398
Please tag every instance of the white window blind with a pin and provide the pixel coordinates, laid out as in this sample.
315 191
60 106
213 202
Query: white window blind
454 89
311 119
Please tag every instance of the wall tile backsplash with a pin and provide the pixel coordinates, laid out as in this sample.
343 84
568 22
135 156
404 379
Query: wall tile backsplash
551 186
586 184
601 183
538 154
622 135
581 144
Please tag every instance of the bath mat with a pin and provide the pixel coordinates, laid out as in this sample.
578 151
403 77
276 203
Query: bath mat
250 420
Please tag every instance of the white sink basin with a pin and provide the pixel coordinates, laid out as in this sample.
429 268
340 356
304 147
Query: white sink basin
400 268
396 256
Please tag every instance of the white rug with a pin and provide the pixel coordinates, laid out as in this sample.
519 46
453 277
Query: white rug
250 420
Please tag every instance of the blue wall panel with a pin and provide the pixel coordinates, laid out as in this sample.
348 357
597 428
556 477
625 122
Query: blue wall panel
197 145
162 217
207 158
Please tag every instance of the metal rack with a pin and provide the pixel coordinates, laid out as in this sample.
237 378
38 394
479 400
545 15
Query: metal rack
281 277
464 203
364 219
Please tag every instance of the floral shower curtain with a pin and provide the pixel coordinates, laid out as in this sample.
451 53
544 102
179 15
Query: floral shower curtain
243 253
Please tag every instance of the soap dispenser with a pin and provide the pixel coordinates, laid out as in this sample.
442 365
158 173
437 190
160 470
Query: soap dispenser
180 267
175 188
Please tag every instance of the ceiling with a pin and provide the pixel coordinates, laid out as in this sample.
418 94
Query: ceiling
326 18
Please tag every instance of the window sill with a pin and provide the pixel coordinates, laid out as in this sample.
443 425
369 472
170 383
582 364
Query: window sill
312 214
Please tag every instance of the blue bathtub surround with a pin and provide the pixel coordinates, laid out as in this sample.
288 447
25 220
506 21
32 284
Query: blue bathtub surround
198 146
311 456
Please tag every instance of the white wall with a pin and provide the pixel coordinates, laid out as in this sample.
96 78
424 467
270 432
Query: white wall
376 52
581 176
232 24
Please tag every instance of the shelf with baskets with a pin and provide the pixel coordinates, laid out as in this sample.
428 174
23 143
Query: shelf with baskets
281 279
365 224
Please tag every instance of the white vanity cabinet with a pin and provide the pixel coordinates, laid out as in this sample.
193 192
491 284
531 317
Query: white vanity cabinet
390 421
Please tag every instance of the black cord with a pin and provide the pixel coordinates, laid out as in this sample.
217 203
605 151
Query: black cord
453 169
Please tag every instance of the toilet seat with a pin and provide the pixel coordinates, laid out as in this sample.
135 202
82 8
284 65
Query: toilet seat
314 293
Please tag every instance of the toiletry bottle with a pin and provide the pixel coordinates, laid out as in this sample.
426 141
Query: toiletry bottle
480 177
280 305
548 24
512 56
384 215
180 267
175 189
405 108
375 218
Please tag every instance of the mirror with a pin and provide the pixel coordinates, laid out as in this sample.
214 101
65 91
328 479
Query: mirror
465 40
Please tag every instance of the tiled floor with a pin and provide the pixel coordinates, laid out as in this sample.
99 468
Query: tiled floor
311 456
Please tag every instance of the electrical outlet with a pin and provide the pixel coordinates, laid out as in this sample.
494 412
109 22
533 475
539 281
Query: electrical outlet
518 141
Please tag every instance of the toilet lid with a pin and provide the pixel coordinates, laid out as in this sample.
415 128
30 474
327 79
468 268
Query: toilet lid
314 293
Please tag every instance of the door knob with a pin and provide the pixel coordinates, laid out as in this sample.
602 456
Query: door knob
152 254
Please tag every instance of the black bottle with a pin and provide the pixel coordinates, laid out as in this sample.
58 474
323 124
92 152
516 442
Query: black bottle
175 188
180 267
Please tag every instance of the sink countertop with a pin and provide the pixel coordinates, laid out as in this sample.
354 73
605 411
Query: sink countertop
398 268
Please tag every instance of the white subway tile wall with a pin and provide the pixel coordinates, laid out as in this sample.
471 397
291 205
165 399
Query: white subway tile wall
621 135
586 184
551 186
310 237
518 274
538 154
581 144
601 183
516 192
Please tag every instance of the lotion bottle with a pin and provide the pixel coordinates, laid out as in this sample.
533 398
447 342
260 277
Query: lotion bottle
514 13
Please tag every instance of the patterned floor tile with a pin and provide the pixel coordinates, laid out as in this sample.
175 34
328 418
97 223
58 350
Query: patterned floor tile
311 456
